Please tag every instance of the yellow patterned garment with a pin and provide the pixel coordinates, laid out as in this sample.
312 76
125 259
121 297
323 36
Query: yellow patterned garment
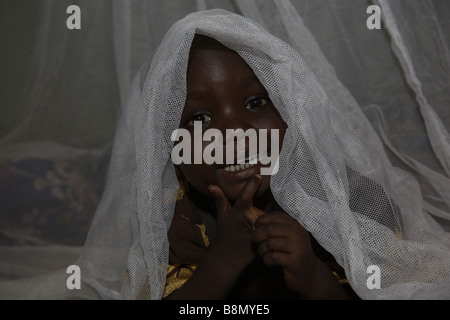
178 274
188 244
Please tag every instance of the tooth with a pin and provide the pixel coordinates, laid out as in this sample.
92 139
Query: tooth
227 168
247 165
264 155
261 155
232 168
243 166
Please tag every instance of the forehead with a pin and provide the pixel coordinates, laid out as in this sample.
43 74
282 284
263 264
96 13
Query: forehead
211 62
205 42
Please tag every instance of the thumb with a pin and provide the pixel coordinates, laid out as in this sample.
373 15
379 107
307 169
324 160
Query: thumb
222 203
253 214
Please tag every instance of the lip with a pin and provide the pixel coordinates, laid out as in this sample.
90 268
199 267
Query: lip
240 175
223 165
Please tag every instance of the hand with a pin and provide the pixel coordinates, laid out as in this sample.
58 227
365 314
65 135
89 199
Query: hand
282 241
235 224
232 250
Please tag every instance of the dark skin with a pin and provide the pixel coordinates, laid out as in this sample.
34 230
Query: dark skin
224 93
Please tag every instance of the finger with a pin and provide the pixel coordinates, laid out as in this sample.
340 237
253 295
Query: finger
221 201
283 245
252 215
245 198
276 258
277 217
275 230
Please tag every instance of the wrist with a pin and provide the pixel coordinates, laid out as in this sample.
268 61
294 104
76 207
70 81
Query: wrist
322 285
228 261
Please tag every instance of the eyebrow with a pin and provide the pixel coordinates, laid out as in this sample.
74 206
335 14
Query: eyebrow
196 94
247 81
244 82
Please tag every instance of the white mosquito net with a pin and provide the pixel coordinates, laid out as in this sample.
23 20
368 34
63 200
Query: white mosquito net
334 177
364 164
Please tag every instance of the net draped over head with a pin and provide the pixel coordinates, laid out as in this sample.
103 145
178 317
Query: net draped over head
331 178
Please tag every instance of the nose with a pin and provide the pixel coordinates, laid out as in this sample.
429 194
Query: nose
231 118
238 132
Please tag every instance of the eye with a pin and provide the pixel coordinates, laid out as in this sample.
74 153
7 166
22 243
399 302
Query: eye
256 103
203 118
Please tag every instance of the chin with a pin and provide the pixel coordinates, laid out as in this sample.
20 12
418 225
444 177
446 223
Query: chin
233 193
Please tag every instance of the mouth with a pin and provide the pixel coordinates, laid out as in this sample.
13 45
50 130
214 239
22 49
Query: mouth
233 175
248 162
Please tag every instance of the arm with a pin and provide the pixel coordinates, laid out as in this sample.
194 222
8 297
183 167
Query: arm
213 279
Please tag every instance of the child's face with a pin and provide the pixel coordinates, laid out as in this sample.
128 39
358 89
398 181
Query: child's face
224 93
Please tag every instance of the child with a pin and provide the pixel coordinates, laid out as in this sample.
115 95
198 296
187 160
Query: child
223 92
334 205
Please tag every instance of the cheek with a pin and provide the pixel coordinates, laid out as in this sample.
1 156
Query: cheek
281 126
198 175
265 185
276 123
